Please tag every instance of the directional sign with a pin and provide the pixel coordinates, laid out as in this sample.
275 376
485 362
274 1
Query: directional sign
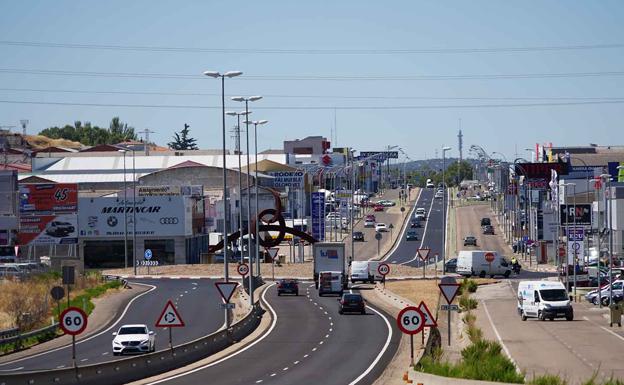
449 288
243 269
57 292
148 254
424 253
170 318
452 307
73 321
226 289
383 269
429 319
490 257
378 236
411 320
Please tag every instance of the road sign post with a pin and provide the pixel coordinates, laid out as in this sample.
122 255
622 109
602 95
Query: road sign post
391 226
73 321
449 288
243 270
170 318
437 256
378 237
423 253
148 256
489 257
430 321
383 269
272 253
411 321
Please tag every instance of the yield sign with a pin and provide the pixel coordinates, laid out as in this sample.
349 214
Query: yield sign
429 320
424 253
226 289
449 288
272 252
170 318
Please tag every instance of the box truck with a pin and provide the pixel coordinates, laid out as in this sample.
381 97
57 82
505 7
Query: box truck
473 262
544 300
330 257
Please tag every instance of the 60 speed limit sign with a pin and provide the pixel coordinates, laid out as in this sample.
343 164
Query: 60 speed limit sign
73 321
411 320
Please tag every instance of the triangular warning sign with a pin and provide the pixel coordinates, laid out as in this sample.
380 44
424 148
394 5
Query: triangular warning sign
424 253
226 289
429 320
170 318
272 252
449 291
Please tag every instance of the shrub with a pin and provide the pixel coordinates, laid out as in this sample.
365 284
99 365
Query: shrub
467 303
547 379
469 285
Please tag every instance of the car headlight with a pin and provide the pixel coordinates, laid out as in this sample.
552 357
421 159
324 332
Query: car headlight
144 342
547 306
116 343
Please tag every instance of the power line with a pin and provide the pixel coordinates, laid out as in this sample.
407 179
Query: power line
281 51
360 97
316 77
466 106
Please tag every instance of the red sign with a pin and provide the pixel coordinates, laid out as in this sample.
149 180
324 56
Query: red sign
48 229
49 197
424 253
226 289
429 319
411 320
170 318
73 320
243 269
383 269
490 257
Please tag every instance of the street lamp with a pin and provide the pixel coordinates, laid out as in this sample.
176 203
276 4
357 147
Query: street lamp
574 253
444 150
229 74
125 211
134 222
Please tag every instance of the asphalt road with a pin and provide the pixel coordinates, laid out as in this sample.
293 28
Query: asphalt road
186 295
308 342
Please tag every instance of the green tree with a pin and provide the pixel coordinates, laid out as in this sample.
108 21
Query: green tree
90 135
182 141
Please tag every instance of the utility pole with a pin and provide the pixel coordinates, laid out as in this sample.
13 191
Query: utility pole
146 142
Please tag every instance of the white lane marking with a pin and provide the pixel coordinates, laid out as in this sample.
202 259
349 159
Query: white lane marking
381 352
60 366
259 381
234 354
321 343
272 374
487 312
286 368
295 363
93 336
194 283
326 335
84 359
330 330
398 243
185 291
11 370
306 355
105 353
313 349
605 329
422 240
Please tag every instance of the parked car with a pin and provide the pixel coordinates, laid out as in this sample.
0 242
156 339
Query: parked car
411 235
358 236
451 265
593 295
287 286
133 339
488 229
470 241
381 227
378 207
352 303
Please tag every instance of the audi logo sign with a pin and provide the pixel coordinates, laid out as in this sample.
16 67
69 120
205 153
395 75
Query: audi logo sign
169 221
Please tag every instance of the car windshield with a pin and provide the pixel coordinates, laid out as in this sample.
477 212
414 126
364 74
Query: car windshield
133 330
554 295
352 298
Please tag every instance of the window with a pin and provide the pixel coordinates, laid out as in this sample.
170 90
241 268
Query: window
553 295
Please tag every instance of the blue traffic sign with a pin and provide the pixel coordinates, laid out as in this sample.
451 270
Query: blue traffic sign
148 254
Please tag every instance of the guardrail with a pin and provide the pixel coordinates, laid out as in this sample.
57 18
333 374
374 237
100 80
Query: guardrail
18 337
135 368
8 333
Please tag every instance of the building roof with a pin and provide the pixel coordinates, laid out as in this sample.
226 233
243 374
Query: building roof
84 178
187 163
54 149
19 167
103 148
266 165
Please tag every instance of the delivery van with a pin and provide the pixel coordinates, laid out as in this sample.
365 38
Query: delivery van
360 272
473 262
544 300
330 282
373 272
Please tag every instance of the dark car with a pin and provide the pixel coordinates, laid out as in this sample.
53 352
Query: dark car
411 236
488 229
415 223
486 222
470 241
451 265
352 303
358 236
287 286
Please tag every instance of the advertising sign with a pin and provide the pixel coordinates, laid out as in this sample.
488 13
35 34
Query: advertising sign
582 213
103 217
48 229
292 179
153 191
383 155
575 249
48 197
318 215
8 190
575 234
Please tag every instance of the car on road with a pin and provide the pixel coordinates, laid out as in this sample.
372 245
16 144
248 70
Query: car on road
358 236
486 222
330 282
59 229
381 227
544 300
135 338
430 184
386 203
470 241
415 223
488 229
369 223
352 303
287 286
411 236
370 217
451 265
378 207
439 195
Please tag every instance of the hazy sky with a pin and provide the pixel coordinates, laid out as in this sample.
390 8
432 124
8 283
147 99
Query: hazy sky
284 47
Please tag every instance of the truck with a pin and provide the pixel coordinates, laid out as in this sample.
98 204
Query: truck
544 300
473 262
330 256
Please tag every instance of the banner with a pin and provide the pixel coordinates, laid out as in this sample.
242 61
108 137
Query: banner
48 197
48 229
292 179
582 213
318 215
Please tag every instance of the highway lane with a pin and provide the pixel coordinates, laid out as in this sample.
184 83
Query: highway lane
308 342
196 300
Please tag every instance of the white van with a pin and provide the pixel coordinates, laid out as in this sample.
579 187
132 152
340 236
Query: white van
430 183
360 272
330 282
472 262
373 272
544 300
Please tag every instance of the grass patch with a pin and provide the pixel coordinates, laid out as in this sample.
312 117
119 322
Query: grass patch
83 300
547 379
467 303
469 285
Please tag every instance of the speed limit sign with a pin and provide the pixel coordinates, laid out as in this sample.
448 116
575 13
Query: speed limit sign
73 321
383 269
411 320
243 269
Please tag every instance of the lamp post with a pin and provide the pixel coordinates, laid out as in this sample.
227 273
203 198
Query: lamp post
608 223
444 150
134 222
229 74
574 253
256 123
125 211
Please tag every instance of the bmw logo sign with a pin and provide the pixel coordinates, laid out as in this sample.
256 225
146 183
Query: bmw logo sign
112 221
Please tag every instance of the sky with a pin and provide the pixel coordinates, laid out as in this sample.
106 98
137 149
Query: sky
364 74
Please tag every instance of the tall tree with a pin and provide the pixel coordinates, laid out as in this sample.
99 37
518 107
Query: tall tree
182 141
90 135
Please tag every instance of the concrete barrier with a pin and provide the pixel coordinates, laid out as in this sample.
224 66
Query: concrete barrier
138 367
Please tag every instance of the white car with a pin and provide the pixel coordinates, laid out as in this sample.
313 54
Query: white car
381 227
368 223
439 195
133 339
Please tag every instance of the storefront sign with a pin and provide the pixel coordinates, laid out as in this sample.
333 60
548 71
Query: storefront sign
292 179
580 212
318 215
48 197
154 191
48 229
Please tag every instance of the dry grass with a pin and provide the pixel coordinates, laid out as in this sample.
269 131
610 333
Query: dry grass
39 141
416 291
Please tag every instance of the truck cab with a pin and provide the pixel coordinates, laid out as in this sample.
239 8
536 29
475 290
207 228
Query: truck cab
544 300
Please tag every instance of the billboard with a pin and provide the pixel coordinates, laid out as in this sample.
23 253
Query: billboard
582 213
292 179
382 155
48 229
151 191
48 197
318 215
103 217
